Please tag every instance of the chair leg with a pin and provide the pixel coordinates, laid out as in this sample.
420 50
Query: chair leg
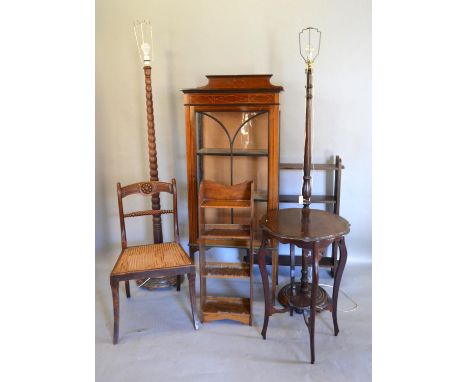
115 301
179 280
127 288
193 303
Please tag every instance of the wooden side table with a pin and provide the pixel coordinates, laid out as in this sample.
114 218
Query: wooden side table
313 231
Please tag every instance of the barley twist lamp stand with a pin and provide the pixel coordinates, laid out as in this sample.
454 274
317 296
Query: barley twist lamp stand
311 230
144 40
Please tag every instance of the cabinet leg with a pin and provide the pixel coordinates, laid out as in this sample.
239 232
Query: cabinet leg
266 292
193 303
201 261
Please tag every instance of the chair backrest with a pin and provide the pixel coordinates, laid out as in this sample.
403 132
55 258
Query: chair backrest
148 188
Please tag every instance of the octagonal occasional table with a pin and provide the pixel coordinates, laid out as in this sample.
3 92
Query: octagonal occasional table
313 231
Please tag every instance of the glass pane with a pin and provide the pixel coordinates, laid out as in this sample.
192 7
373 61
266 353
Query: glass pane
244 130
252 168
232 147
215 168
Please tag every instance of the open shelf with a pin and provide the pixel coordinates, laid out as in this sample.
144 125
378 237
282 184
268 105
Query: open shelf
235 152
285 259
231 243
225 231
226 308
223 270
215 203
315 166
328 199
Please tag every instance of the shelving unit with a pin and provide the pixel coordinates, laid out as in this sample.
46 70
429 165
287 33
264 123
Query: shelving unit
232 136
217 196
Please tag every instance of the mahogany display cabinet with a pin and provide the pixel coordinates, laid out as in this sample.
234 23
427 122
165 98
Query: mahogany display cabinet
232 136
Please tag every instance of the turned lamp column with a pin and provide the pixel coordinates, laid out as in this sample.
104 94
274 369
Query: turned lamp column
306 184
309 48
152 153
144 40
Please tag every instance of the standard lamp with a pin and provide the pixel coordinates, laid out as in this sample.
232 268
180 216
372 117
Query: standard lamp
309 49
144 41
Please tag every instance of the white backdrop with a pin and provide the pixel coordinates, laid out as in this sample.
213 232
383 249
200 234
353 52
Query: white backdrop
195 38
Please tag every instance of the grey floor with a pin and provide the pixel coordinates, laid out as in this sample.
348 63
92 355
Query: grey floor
158 342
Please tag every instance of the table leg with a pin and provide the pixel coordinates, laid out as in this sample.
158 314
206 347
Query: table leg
293 278
313 301
336 284
274 274
266 288
304 278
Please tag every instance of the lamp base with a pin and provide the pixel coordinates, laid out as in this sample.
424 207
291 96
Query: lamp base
158 282
301 300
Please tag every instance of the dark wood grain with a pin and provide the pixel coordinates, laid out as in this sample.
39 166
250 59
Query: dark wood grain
336 285
289 224
312 231
306 186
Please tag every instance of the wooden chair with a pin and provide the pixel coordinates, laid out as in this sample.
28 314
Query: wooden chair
153 260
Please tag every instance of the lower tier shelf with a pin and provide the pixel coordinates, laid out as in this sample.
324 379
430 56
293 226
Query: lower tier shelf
301 301
226 308
227 270
230 243
285 260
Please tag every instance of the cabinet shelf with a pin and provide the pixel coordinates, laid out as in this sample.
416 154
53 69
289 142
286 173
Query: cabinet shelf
227 270
225 231
226 308
230 243
328 199
315 166
235 152
218 203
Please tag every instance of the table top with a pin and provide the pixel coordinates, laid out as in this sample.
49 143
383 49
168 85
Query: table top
303 224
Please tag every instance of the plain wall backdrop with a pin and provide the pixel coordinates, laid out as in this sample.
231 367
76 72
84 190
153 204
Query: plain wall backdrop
195 38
